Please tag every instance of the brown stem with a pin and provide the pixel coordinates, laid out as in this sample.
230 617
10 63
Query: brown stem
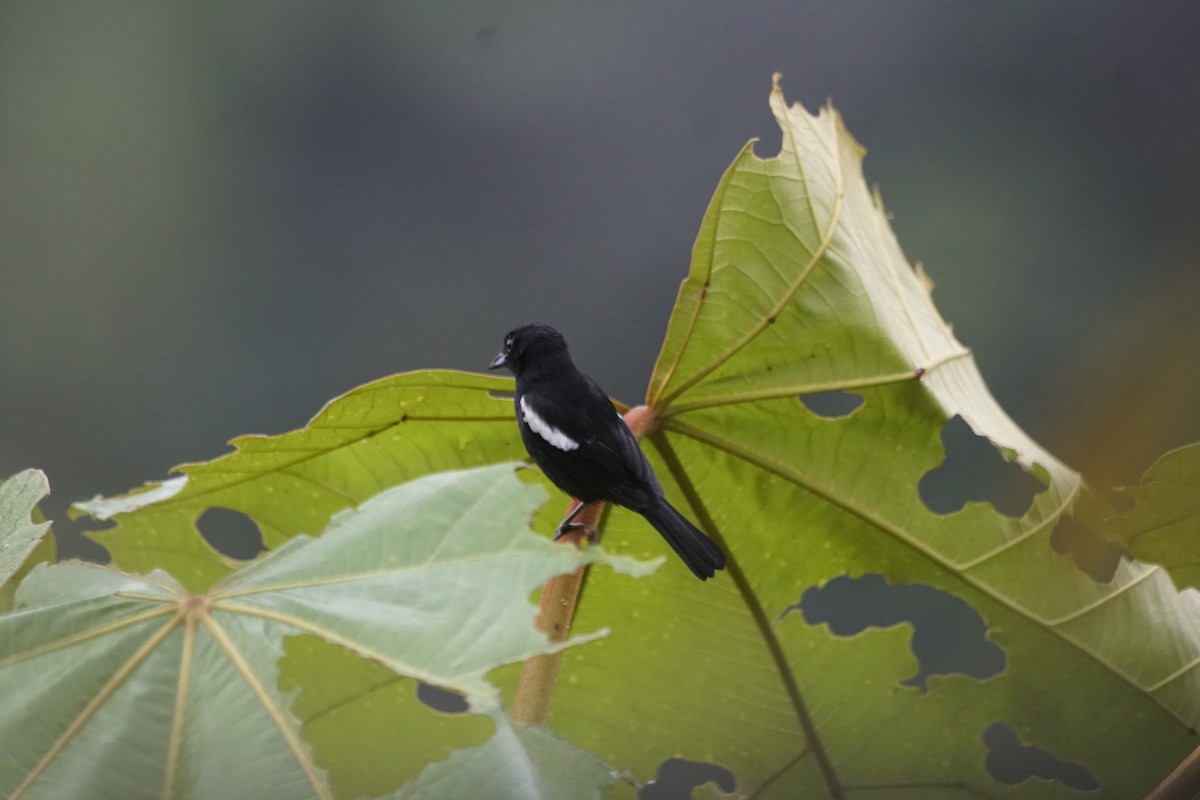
1183 783
535 690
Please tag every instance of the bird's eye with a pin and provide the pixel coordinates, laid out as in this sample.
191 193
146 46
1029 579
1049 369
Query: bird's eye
508 343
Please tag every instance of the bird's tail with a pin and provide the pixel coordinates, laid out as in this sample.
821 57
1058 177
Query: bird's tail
700 553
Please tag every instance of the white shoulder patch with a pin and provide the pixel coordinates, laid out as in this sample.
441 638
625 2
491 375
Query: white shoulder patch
544 429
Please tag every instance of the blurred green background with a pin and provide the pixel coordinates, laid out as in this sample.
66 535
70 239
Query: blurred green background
214 217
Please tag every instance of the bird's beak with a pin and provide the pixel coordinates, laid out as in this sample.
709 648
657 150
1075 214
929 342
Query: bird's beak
498 362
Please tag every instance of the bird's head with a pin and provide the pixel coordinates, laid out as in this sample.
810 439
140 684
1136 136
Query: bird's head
530 346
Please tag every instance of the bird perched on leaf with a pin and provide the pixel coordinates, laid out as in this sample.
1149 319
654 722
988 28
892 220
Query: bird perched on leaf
574 434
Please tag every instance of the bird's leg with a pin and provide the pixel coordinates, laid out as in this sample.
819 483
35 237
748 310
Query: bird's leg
569 524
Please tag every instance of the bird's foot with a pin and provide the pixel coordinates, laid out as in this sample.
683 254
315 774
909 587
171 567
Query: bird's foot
568 528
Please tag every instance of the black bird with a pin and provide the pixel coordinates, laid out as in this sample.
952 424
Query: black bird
574 434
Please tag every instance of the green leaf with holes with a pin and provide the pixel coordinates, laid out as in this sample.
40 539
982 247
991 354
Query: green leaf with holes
118 685
814 668
859 644
375 436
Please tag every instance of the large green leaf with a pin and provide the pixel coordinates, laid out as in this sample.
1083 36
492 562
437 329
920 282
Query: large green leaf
375 436
1163 527
799 287
122 686
812 666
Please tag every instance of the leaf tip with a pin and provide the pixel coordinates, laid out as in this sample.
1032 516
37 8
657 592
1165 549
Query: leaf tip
32 481
104 508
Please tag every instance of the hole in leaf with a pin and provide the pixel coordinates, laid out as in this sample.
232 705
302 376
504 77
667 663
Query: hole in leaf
949 636
974 470
832 405
231 533
70 542
1092 555
442 700
1011 762
677 777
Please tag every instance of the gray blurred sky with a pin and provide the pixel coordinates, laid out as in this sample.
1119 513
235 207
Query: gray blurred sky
214 217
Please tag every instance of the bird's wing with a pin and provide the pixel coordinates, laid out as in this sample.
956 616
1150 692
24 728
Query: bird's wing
553 422
602 450
616 445
621 448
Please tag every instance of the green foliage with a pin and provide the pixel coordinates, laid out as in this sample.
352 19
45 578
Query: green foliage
797 287
186 687
373 437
